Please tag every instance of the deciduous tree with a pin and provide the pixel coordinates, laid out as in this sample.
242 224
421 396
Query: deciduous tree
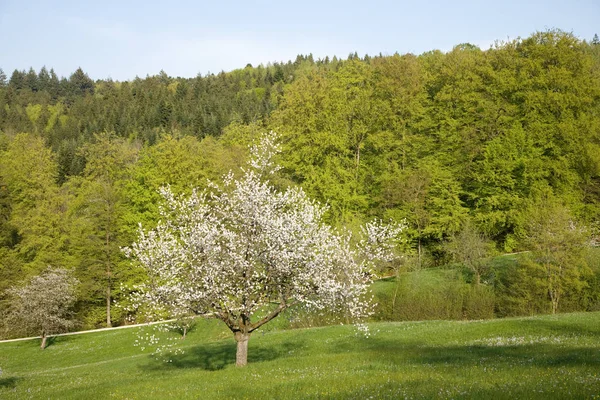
245 252
558 246
470 248
98 217
44 305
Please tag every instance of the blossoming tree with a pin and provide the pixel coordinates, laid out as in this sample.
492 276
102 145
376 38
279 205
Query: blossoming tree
245 252
45 304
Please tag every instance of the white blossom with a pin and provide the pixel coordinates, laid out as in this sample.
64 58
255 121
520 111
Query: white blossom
243 248
44 304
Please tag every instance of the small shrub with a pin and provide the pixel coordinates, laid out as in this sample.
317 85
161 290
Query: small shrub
479 302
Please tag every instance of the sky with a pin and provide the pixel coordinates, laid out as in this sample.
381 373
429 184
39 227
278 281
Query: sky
124 39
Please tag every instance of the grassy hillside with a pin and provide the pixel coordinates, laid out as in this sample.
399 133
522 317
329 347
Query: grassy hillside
432 294
541 357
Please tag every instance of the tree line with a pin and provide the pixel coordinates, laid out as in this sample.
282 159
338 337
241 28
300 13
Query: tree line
471 140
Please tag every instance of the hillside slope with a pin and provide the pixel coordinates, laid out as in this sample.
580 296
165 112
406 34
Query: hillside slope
551 356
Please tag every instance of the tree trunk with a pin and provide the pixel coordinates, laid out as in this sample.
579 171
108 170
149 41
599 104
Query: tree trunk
419 252
395 294
44 337
108 279
403 150
357 160
477 278
554 299
184 333
108 322
241 356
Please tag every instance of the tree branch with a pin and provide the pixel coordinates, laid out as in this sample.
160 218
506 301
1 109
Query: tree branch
276 312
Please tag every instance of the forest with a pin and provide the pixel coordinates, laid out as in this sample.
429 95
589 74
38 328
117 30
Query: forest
480 152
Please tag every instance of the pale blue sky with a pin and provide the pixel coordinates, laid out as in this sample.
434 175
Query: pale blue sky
122 39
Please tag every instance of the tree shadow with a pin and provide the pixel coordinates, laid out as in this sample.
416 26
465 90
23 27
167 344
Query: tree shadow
217 356
9 383
568 328
532 354
537 355
50 340
438 388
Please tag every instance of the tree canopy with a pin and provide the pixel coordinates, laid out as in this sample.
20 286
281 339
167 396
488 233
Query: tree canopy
435 139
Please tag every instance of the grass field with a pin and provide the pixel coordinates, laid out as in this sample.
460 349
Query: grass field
541 357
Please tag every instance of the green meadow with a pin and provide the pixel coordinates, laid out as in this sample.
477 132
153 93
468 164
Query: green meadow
538 357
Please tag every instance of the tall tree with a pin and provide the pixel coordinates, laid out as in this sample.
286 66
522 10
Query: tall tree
81 83
558 246
428 197
326 120
43 79
97 218
3 81
53 85
17 79
31 80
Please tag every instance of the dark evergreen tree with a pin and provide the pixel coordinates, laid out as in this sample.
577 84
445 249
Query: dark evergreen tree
31 80
43 79
278 75
3 81
17 80
81 84
53 86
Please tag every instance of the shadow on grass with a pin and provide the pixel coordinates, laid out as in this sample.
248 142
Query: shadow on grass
217 356
50 340
536 354
567 328
8 383
439 388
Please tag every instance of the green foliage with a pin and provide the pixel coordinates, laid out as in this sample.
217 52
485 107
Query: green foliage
436 139
522 285
80 83
558 249
521 289
98 227
432 294
35 233
183 163
592 295
471 249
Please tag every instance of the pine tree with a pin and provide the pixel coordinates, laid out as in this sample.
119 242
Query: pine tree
17 79
53 85
3 81
81 84
31 80
43 79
